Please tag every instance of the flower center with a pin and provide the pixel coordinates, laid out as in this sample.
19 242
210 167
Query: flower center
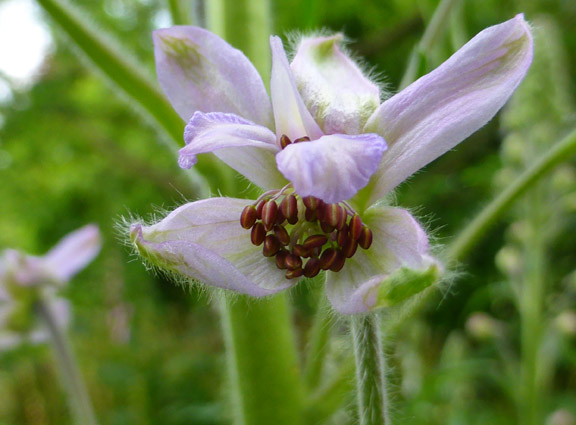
305 235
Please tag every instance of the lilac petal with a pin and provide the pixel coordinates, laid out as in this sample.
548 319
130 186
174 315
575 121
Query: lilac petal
204 241
290 114
399 242
438 111
332 168
333 87
74 252
243 145
199 71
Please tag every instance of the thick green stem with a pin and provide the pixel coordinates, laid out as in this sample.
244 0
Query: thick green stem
318 345
265 380
370 371
440 20
78 397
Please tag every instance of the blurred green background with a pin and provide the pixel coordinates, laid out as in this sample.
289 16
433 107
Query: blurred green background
73 150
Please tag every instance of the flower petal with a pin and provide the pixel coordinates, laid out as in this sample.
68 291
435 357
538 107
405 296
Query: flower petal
332 168
199 71
438 111
243 145
74 252
204 241
332 86
290 114
399 243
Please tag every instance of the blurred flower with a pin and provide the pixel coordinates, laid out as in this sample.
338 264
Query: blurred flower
483 327
333 152
561 417
26 279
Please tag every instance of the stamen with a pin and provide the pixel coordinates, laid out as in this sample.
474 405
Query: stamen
305 235
284 141
248 217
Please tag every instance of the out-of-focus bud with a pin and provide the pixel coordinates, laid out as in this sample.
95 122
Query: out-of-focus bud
514 149
565 322
561 417
483 327
509 260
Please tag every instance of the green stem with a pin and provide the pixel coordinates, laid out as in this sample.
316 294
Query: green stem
262 360
319 338
178 13
480 225
439 21
370 371
78 397
123 70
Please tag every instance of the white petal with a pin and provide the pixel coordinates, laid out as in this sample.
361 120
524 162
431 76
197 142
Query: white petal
398 242
74 252
290 114
204 240
333 87
199 71
243 145
332 168
441 109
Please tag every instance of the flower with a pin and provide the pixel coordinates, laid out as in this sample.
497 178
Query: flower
326 152
25 279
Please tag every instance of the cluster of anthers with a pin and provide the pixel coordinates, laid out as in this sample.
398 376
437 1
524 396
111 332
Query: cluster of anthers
305 234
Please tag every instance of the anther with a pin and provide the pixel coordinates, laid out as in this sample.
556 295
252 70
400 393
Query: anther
349 248
339 261
281 259
293 261
294 273
248 217
312 267
259 206
300 251
269 212
258 234
280 217
365 239
326 228
284 141
355 226
310 215
282 234
314 241
342 236
271 246
302 139
289 208
328 258
335 215
312 203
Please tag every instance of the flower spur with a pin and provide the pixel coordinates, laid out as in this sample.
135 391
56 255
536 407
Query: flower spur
325 151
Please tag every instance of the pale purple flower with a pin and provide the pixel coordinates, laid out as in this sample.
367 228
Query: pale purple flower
25 278
322 135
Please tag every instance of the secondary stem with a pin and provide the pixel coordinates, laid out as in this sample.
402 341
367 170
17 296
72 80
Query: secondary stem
370 371
78 397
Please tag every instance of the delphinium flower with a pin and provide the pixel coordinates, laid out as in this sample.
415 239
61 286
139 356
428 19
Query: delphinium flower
25 280
326 152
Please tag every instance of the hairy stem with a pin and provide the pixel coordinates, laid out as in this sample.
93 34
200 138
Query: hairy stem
78 397
318 345
370 371
479 226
